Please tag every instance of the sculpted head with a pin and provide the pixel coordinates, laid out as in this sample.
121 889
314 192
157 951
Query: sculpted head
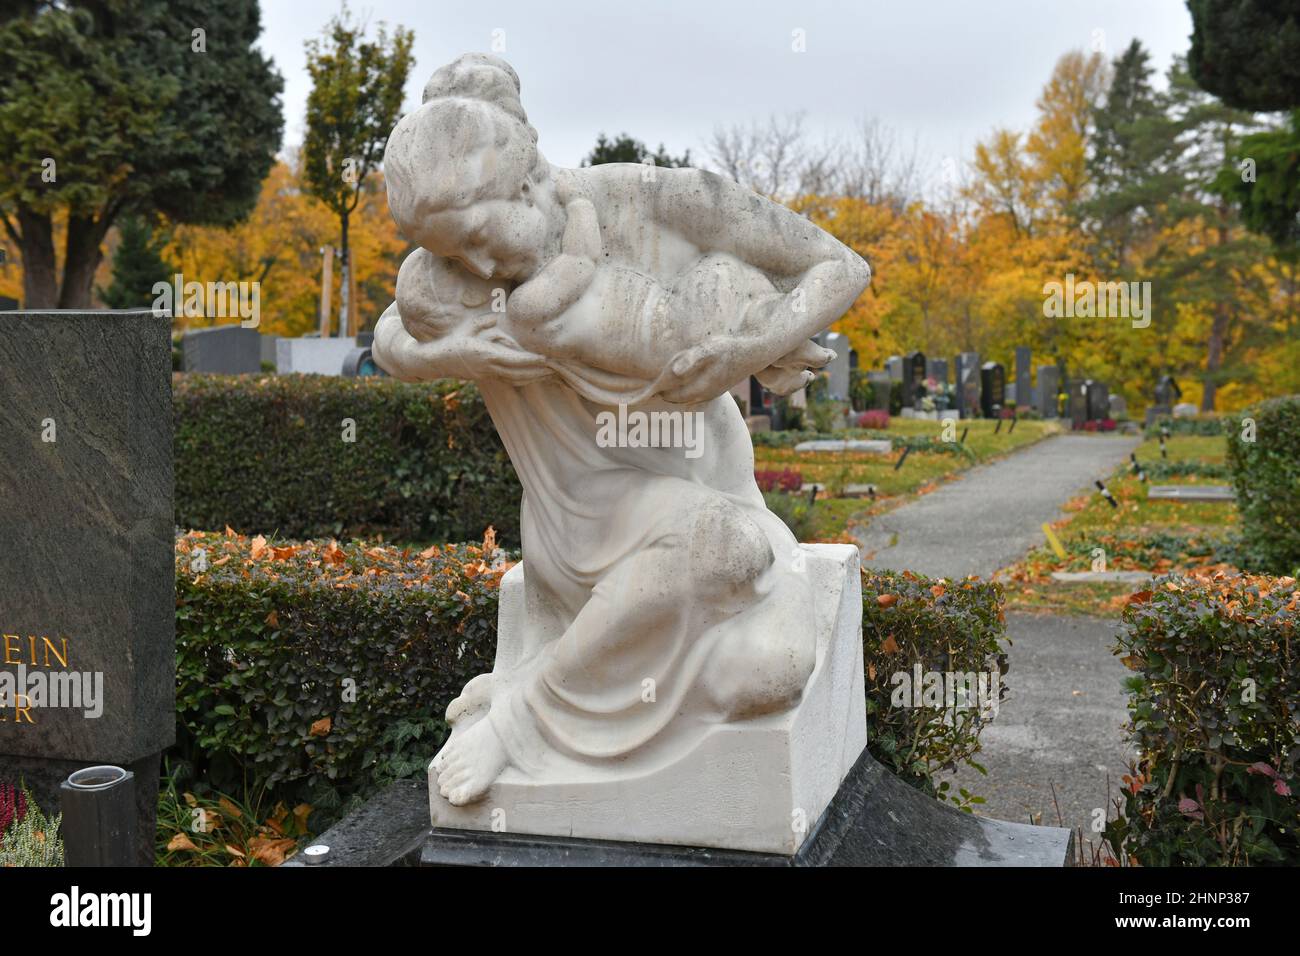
465 178
436 297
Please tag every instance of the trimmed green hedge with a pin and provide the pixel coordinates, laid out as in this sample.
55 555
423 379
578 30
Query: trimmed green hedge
323 672
1266 473
945 630
268 454
1213 710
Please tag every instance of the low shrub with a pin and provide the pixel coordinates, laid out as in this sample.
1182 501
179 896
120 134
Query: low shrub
323 671
787 479
1265 464
1160 469
934 666
1212 709
1197 425
313 674
27 836
272 454
795 510
876 418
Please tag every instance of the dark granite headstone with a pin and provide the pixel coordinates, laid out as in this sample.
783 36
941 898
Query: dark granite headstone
937 369
1098 400
913 377
87 591
881 382
993 389
223 349
1078 403
1024 376
1049 384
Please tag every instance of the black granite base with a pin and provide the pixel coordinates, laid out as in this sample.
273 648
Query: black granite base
874 820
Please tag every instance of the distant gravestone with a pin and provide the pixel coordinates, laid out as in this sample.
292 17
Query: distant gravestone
87 592
1078 403
913 377
1024 376
968 384
838 369
1049 386
312 355
937 369
222 350
1184 410
894 366
881 383
1118 407
993 389
268 349
1098 400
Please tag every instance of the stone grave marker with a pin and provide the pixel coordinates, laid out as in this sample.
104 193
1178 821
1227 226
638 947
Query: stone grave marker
1049 384
968 384
937 369
881 382
913 377
222 349
1192 492
87 582
838 370
1078 403
1098 400
1024 376
993 389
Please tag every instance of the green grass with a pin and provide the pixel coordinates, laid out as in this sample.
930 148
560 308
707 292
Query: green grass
1158 536
920 472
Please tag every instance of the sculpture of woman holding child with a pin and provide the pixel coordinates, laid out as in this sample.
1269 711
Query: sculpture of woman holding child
661 595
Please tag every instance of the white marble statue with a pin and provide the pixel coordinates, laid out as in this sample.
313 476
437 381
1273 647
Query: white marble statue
662 599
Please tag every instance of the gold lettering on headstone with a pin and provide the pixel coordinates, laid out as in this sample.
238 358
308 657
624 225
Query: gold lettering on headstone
48 653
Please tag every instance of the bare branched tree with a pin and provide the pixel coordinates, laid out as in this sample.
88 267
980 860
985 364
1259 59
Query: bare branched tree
779 159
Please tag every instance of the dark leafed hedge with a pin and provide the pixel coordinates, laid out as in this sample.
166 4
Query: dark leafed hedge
1265 464
268 455
1213 710
323 671
948 628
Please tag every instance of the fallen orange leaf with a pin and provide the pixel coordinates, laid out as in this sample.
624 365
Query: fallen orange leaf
180 842
321 727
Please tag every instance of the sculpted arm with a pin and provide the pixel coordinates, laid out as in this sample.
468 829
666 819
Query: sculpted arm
478 352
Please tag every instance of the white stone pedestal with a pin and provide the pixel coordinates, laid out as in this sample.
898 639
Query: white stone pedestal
758 784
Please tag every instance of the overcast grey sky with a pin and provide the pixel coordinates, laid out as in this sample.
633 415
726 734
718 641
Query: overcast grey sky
944 72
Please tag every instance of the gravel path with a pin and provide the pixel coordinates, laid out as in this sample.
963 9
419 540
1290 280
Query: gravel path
1062 723
990 516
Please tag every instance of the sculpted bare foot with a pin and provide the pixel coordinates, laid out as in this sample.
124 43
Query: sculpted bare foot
470 763
473 703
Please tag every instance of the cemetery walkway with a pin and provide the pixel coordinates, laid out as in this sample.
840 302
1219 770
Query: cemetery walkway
990 516
1056 749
